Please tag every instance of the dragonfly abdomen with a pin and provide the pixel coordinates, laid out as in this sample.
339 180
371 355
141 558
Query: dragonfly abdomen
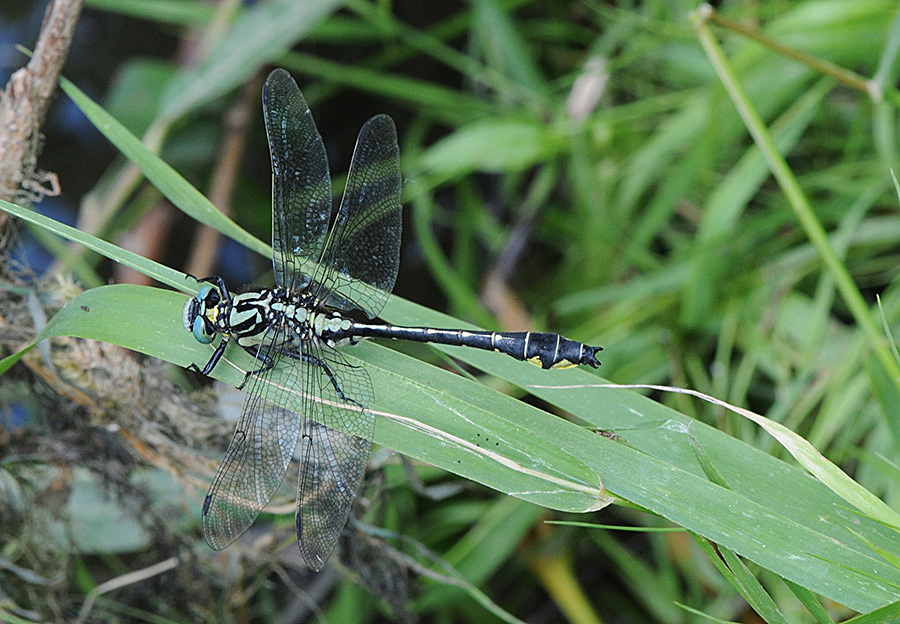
543 349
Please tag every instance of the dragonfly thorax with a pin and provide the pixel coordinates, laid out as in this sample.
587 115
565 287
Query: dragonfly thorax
247 316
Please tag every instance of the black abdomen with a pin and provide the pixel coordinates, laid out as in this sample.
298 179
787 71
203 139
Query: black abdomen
543 349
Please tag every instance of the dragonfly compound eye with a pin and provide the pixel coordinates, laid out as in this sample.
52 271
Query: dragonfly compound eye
209 295
203 333
191 311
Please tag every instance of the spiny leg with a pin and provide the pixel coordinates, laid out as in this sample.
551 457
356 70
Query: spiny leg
267 360
332 378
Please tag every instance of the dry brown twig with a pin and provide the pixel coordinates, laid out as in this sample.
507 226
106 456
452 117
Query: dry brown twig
24 103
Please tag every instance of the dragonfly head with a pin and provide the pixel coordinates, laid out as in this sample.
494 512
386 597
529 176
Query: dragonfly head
197 312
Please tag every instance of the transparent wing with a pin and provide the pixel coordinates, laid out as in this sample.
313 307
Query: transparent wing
301 183
362 254
332 463
258 455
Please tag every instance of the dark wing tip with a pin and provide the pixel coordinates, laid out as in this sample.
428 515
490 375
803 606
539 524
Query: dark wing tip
278 80
278 75
315 556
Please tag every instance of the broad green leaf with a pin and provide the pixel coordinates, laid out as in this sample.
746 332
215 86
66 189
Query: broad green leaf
422 411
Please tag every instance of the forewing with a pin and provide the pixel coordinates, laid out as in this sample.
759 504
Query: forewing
301 183
258 455
332 462
363 250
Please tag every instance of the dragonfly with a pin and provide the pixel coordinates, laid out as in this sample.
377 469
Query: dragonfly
325 269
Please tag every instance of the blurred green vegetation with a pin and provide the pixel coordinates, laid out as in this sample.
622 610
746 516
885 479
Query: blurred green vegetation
579 167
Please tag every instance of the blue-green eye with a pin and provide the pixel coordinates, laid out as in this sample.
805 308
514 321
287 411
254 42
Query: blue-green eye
204 291
200 333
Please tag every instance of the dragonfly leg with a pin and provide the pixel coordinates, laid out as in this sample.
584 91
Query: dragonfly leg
267 364
314 361
213 359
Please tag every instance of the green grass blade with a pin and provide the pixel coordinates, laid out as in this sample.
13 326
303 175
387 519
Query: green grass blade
795 196
165 11
169 182
810 601
888 614
159 272
259 35
439 101
751 589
